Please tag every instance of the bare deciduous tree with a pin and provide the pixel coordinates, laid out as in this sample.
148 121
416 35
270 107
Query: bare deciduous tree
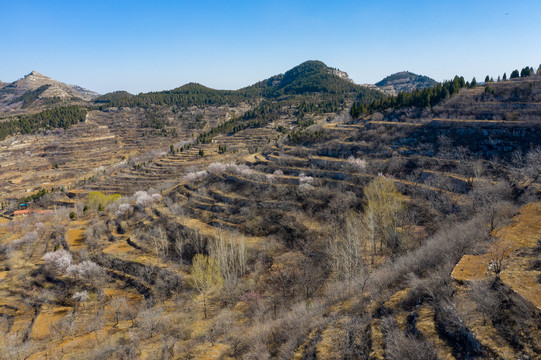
160 242
383 213
346 249
498 251
230 255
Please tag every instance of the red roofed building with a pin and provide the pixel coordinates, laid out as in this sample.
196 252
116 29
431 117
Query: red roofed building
30 211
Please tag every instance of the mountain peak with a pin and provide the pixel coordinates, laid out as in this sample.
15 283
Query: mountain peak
37 74
46 87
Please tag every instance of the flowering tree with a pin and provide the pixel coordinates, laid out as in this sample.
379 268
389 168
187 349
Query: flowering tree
58 260
123 209
85 269
144 200
80 296
357 164
304 179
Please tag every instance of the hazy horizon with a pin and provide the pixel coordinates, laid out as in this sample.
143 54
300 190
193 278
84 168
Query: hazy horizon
140 47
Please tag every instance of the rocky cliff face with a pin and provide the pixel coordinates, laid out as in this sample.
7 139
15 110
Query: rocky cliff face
341 74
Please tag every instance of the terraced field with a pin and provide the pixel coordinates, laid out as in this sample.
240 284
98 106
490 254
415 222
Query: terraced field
108 141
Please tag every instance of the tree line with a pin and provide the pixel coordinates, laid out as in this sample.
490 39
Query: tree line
420 98
185 96
60 117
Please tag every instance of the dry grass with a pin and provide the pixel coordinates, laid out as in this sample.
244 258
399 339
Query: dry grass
471 267
522 234
46 319
425 325
376 336
75 239
482 328
326 348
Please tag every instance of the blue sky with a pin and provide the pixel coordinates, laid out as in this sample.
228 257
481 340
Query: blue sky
144 46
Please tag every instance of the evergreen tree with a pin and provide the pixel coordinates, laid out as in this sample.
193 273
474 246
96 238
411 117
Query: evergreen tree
505 76
499 79
538 73
473 82
525 72
514 74
487 79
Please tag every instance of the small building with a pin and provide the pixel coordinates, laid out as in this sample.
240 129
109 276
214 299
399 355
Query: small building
30 211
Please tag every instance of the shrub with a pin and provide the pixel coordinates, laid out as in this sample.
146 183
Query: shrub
73 216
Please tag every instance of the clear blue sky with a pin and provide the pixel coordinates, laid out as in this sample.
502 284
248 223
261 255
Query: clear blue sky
148 45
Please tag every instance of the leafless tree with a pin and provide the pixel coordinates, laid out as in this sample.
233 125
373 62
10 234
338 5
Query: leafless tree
498 251
160 242
347 249
120 309
149 321
527 168
231 257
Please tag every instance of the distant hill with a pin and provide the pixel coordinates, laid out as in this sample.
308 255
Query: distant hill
310 77
191 94
2 84
38 89
113 96
405 81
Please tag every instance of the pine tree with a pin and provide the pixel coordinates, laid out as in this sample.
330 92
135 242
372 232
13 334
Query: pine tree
473 82
505 76
538 73
514 74
487 79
